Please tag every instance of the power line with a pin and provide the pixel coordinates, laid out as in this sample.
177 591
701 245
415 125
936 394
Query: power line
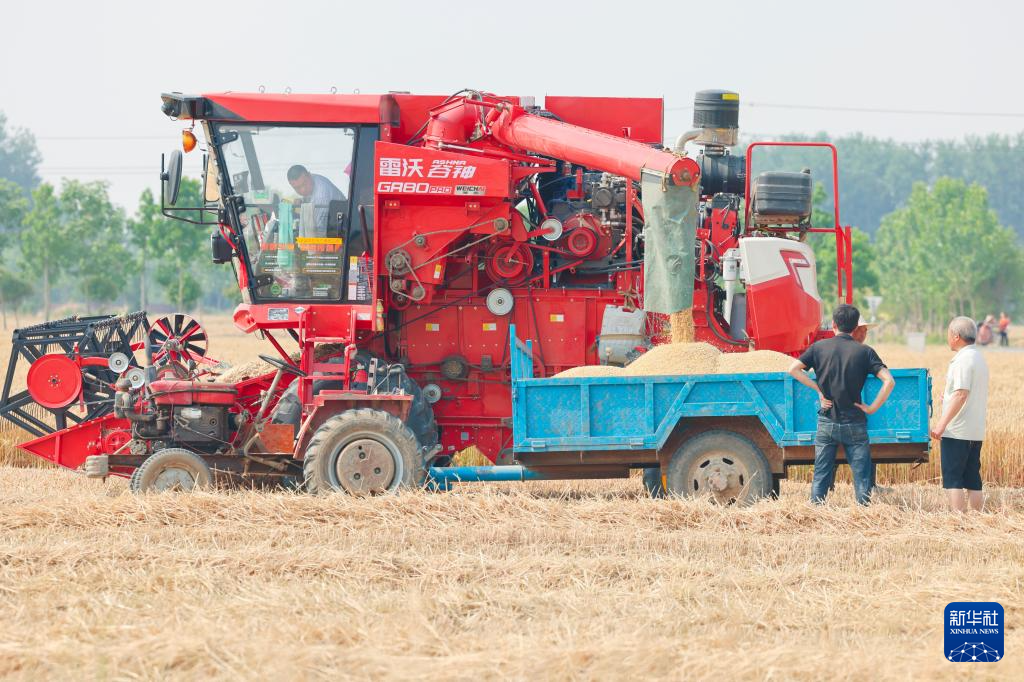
101 138
871 110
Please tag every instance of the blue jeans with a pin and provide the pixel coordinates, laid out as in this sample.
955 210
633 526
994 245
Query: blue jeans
854 439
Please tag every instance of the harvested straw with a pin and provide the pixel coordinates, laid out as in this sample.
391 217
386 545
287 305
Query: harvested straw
593 578
256 368
246 370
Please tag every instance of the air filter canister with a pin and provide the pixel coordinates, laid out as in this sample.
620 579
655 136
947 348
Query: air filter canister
717 113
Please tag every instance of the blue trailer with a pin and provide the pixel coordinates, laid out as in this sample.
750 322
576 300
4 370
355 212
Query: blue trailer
731 436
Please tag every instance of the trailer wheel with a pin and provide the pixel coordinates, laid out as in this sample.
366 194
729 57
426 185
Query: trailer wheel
171 469
363 452
723 465
652 482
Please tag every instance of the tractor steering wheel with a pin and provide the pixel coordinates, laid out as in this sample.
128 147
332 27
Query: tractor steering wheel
282 365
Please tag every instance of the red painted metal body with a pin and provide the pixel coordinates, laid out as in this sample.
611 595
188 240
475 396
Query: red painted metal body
588 148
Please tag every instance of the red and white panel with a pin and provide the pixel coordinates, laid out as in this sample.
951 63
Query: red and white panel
783 304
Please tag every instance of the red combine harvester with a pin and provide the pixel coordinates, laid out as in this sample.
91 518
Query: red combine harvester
392 240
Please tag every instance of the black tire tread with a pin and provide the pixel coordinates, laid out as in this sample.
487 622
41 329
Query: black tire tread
133 482
157 459
414 469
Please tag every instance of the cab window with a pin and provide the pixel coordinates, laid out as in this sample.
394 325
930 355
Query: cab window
295 183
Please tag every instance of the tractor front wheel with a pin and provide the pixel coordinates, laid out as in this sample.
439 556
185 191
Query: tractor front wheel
171 469
363 452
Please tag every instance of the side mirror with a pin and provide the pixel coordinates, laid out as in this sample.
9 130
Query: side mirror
171 177
220 248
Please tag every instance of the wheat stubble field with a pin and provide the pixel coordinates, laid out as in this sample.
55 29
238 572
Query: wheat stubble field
586 580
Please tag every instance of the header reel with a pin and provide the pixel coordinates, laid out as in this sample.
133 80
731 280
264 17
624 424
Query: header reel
74 364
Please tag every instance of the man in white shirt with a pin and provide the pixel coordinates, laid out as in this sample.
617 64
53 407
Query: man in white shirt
961 428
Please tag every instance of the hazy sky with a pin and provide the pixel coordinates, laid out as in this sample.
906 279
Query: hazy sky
86 77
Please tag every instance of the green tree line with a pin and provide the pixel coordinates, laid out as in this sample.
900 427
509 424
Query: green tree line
942 253
71 245
935 232
877 176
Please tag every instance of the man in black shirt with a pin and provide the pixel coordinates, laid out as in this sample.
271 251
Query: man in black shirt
841 366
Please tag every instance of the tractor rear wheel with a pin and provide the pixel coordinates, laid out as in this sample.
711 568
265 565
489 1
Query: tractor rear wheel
171 469
363 452
723 465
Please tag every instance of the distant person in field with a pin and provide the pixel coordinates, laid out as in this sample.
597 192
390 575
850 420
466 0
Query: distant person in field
985 331
317 190
961 427
841 365
1004 329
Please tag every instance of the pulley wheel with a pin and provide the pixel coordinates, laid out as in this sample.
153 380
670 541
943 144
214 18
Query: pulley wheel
400 301
552 229
118 362
454 367
136 377
115 440
398 262
512 262
178 336
431 393
54 381
500 302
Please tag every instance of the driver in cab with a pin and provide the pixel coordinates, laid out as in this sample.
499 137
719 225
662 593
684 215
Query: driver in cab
318 191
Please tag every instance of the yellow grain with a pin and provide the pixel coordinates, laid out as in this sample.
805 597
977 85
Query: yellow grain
753 361
681 324
591 371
